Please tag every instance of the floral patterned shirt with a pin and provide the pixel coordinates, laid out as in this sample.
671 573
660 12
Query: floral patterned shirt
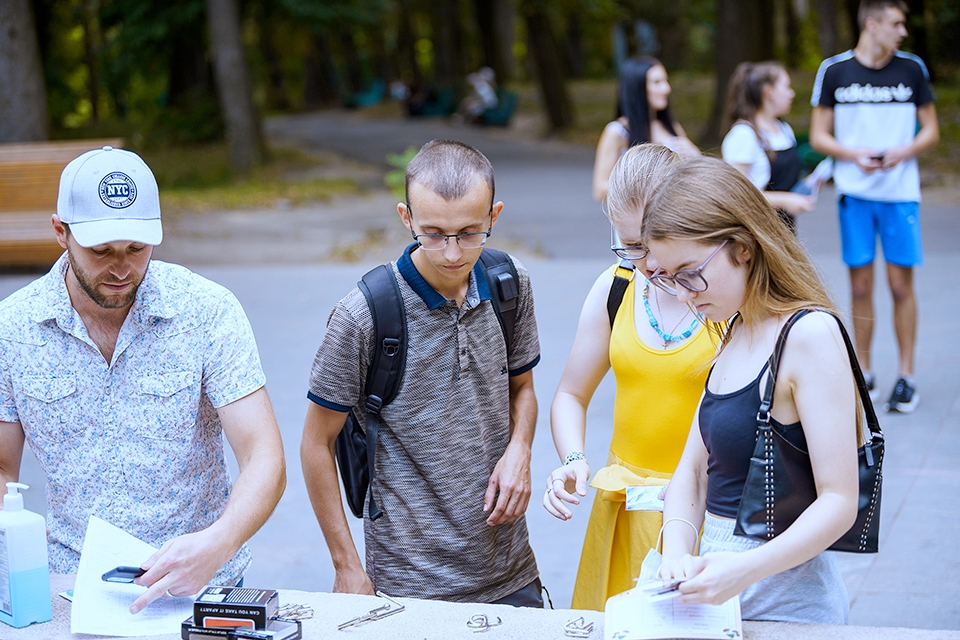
136 441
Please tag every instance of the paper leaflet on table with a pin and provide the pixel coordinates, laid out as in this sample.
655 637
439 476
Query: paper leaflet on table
632 616
104 607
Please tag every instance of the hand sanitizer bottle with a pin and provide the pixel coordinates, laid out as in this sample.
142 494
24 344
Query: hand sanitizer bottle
24 574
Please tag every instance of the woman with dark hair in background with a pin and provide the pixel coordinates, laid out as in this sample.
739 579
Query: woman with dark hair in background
643 115
760 145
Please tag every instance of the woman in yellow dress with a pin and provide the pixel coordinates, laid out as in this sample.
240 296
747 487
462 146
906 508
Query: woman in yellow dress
659 351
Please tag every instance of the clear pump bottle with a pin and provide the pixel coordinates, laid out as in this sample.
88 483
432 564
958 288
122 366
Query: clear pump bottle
24 574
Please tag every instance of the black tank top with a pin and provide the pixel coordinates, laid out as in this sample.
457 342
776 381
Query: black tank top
728 426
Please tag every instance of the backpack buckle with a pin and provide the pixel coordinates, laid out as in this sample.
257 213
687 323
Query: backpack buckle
373 404
391 346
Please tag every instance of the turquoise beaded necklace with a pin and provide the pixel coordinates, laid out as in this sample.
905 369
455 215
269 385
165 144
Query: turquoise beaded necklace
666 337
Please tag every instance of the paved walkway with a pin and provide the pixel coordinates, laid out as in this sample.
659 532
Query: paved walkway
553 225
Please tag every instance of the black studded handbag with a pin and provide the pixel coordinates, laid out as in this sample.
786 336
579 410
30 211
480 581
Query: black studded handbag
780 484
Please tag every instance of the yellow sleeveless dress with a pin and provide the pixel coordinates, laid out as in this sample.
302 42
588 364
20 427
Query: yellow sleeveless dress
657 394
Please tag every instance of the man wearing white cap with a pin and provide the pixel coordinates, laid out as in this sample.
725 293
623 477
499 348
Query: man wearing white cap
122 373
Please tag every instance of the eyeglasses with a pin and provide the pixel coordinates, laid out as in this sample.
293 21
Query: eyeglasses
689 279
635 252
438 241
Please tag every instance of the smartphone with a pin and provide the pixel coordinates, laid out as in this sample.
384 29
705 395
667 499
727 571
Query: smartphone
657 590
123 575
878 158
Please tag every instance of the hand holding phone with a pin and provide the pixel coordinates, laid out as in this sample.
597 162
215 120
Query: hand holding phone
657 590
123 575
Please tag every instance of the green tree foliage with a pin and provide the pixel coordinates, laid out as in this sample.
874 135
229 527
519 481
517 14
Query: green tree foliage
142 68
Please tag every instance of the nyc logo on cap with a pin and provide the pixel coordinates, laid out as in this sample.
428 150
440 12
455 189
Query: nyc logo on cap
117 190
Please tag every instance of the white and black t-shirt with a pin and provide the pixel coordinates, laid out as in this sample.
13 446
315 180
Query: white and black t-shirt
875 108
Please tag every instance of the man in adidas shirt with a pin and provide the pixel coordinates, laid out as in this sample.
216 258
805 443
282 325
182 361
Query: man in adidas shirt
866 106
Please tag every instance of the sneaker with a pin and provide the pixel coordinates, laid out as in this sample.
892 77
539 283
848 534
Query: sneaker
904 398
871 381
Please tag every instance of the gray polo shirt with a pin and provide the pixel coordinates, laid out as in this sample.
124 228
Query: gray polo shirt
439 439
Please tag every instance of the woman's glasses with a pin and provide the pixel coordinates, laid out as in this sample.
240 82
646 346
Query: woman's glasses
689 279
635 252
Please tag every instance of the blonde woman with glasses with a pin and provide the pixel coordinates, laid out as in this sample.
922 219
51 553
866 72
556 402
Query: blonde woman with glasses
658 350
724 254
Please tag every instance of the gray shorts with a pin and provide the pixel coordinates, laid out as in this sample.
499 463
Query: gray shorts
812 592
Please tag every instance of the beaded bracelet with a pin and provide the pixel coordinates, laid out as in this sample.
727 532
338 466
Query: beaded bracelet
574 455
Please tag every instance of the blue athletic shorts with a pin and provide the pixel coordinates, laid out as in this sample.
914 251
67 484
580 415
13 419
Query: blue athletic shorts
898 224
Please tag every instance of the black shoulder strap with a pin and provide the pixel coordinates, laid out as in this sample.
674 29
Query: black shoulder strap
618 288
380 288
763 415
504 286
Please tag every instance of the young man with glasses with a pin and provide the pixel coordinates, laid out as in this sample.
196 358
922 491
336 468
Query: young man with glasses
453 452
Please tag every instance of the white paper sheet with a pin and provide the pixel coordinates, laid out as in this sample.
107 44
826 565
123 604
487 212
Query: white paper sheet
632 616
104 607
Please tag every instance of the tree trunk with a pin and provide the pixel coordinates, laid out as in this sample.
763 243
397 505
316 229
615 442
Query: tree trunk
827 34
384 64
505 29
543 47
917 27
573 46
673 32
351 60
91 44
446 58
322 85
278 97
407 43
190 76
495 43
850 10
794 41
744 32
483 10
23 98
233 84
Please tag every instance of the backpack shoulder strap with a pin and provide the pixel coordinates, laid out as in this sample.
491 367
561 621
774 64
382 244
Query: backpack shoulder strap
380 288
618 288
504 286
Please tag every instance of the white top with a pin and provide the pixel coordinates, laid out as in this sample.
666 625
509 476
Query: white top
741 146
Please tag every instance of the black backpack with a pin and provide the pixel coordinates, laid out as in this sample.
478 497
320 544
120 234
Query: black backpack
356 450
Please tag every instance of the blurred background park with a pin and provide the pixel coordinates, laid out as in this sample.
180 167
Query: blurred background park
276 127
188 83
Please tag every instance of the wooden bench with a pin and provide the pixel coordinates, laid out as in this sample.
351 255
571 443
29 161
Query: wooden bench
29 186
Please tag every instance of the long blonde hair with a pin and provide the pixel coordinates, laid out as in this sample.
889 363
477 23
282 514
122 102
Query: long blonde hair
706 200
638 171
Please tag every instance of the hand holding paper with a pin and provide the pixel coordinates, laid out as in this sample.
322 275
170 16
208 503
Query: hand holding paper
103 607
183 566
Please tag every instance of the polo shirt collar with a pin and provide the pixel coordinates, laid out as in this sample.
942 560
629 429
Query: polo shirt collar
422 288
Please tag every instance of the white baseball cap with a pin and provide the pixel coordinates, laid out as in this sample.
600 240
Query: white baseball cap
110 195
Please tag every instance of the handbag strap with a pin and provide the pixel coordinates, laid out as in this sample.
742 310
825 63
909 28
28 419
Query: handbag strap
766 404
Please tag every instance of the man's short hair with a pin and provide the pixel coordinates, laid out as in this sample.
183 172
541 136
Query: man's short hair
875 8
449 169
